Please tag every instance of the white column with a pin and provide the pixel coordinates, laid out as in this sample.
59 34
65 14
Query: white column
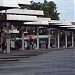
55 42
8 43
22 40
15 41
58 38
66 38
72 39
7 35
37 38
49 37
2 34
12 27
2 37
8 38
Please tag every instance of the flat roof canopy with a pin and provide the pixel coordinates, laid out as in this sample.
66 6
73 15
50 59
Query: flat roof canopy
69 26
72 28
24 12
60 25
5 8
8 4
41 21
55 24
11 17
55 21
24 2
37 23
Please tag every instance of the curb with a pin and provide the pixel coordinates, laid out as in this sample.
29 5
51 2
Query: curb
3 60
53 49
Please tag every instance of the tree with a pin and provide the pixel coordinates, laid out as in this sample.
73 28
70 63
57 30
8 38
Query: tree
49 8
36 6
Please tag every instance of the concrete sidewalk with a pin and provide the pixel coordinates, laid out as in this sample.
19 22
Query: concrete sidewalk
42 50
16 54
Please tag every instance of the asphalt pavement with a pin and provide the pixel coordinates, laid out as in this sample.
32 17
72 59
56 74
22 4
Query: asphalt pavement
54 62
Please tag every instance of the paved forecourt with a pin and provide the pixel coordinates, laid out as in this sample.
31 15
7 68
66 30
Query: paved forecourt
57 62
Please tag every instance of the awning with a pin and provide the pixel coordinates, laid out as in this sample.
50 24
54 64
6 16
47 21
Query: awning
30 36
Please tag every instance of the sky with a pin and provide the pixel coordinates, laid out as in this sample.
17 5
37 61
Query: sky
66 8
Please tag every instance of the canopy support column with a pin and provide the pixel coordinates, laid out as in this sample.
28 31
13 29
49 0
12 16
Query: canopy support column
37 37
2 34
7 35
8 38
8 43
15 41
66 39
72 39
58 38
49 37
22 40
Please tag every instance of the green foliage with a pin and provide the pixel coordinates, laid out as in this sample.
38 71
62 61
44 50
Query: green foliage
49 8
35 6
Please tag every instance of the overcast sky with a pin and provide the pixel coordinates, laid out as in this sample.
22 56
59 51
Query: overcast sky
66 8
